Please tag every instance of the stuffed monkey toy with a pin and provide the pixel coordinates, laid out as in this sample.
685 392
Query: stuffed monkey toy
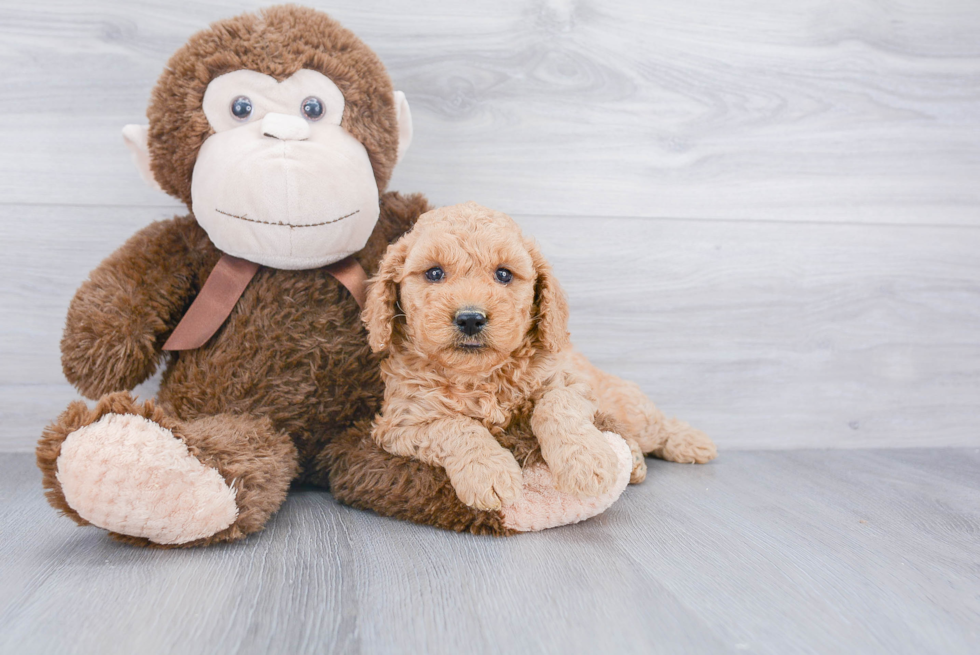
279 131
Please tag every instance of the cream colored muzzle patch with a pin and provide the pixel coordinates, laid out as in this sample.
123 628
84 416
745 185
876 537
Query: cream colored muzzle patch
278 187
276 184
286 128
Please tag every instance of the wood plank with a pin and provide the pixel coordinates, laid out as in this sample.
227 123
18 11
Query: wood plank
765 334
783 336
809 552
868 111
850 535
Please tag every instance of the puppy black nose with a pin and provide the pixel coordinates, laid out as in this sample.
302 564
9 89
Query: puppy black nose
470 322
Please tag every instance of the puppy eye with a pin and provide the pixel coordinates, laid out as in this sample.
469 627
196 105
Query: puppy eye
241 108
503 275
435 274
313 108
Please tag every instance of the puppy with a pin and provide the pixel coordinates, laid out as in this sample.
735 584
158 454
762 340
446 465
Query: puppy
475 325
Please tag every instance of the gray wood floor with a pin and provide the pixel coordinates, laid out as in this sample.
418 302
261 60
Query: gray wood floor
861 551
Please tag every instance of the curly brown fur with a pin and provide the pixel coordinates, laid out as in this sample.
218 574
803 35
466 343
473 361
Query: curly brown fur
281 324
292 361
448 394
278 41
293 353
364 476
309 369
119 318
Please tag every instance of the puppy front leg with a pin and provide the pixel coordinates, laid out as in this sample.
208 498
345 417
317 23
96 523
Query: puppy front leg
577 453
485 475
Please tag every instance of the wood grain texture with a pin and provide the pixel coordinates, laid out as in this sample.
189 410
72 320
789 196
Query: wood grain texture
825 295
765 334
863 111
803 552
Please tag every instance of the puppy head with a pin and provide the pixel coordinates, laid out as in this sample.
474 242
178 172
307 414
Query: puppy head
466 289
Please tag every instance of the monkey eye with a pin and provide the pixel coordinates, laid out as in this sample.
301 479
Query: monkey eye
241 108
503 275
313 108
435 274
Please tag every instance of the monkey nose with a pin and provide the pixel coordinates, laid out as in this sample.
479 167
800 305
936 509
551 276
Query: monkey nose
285 127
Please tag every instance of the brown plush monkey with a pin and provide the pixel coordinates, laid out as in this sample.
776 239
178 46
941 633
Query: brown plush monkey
279 130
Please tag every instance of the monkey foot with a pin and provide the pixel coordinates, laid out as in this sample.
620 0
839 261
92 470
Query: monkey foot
129 475
542 506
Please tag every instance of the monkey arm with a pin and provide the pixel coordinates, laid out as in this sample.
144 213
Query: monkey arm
484 474
119 317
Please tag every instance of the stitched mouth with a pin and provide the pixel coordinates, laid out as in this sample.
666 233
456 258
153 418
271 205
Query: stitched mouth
281 224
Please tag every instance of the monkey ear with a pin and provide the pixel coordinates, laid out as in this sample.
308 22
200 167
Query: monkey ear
135 137
382 296
404 115
551 322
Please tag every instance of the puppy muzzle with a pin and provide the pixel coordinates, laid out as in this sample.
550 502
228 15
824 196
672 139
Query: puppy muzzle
470 321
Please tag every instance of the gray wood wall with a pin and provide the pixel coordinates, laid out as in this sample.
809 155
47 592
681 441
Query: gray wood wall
767 213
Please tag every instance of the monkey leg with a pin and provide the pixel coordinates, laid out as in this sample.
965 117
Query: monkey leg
641 421
361 474
153 480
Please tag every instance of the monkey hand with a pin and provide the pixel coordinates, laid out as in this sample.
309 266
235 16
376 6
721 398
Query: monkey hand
112 339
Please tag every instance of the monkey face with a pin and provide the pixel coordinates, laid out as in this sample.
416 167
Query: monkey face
279 129
280 182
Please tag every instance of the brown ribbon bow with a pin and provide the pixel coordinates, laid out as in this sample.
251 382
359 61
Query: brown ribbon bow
225 285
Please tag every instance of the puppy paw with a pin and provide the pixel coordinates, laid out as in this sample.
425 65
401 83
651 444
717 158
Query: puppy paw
488 481
543 506
689 446
585 467
638 473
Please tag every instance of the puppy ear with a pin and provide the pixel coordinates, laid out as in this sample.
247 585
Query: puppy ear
550 306
382 296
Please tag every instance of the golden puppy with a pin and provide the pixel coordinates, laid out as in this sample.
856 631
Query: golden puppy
476 328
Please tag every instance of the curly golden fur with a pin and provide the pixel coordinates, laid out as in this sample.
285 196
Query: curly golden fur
450 395
447 392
